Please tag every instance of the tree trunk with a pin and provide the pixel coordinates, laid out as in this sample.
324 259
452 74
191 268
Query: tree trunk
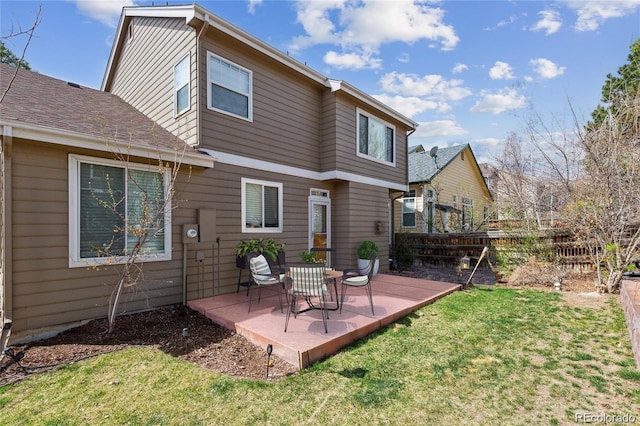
613 281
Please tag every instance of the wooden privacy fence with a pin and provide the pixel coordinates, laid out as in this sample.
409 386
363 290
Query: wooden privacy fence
448 249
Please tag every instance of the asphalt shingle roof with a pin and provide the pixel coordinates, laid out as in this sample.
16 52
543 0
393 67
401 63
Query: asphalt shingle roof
36 99
423 167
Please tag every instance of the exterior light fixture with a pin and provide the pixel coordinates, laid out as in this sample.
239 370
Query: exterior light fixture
269 350
465 263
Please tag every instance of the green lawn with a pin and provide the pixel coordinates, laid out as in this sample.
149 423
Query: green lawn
477 357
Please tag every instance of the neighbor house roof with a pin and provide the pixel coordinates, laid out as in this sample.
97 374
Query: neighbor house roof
423 167
196 15
46 109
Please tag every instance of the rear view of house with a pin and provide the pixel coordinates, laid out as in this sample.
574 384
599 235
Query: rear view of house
273 150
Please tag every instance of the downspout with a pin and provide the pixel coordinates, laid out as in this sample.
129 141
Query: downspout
205 25
393 201
6 237
204 28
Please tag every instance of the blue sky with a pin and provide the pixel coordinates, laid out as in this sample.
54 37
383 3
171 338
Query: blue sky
467 71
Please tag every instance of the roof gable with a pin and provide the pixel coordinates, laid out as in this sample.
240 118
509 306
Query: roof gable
41 103
423 167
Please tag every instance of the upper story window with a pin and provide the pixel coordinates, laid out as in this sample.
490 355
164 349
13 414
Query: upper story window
112 207
376 139
261 206
409 210
229 87
181 89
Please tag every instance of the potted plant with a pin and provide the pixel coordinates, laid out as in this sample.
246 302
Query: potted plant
365 250
273 251
309 257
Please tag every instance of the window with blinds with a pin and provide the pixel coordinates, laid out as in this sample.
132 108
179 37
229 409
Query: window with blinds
113 208
261 206
229 87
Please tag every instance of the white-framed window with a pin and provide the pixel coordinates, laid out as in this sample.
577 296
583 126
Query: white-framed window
261 206
181 86
111 204
409 210
376 138
455 202
467 213
229 87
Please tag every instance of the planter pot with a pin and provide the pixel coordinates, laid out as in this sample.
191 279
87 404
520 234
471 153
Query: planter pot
363 266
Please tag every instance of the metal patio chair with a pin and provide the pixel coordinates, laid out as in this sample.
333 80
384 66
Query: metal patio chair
307 281
353 278
262 276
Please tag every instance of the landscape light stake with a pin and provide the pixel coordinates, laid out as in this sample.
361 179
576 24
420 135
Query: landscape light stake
269 350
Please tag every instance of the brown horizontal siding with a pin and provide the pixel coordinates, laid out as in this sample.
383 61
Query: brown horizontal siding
286 108
46 292
144 76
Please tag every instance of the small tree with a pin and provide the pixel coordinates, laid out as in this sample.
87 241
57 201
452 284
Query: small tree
134 230
605 210
605 204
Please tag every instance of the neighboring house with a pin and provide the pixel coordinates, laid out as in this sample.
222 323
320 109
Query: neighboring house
447 192
299 158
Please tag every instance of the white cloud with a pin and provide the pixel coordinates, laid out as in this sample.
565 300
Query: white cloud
433 86
353 61
545 68
439 128
458 68
501 71
550 22
504 100
411 105
253 4
592 14
367 25
404 58
106 11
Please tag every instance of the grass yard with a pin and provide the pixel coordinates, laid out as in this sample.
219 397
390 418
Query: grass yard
507 356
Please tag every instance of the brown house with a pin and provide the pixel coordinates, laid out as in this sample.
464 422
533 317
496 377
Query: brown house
275 150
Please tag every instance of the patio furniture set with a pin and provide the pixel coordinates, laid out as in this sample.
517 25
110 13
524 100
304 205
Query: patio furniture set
307 282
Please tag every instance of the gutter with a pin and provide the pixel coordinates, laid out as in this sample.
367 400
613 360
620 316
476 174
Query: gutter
35 132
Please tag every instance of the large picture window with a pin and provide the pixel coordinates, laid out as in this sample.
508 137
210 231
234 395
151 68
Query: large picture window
376 138
409 210
182 93
111 206
229 87
261 206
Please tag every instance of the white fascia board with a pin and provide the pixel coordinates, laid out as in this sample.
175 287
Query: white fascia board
252 163
80 140
377 105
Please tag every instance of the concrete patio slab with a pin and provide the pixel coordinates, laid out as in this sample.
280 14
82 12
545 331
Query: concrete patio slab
305 340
